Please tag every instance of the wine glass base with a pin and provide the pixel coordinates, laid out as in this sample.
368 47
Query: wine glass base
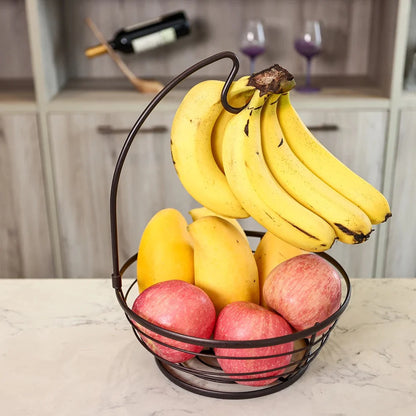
307 88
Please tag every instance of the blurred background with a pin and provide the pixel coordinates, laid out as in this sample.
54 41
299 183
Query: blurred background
64 118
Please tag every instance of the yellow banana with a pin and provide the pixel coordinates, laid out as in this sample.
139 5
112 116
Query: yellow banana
270 252
200 212
165 250
192 153
224 263
327 167
257 190
350 223
238 95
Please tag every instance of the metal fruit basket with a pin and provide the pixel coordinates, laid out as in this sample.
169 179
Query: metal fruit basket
202 374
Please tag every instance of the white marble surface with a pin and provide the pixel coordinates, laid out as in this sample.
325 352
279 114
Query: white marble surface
67 349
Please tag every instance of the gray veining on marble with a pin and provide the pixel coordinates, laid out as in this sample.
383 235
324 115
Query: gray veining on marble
66 349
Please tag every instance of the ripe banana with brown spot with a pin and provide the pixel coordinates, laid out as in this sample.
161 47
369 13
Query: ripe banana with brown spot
259 193
327 167
192 153
350 223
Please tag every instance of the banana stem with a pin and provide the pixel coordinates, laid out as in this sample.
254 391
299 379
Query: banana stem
273 80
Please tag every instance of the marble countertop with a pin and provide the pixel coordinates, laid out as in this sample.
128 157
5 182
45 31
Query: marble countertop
67 349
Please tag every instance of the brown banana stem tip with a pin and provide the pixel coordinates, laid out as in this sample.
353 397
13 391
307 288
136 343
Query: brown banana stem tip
273 80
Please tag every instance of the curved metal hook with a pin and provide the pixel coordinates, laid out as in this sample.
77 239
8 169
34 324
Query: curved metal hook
116 276
227 86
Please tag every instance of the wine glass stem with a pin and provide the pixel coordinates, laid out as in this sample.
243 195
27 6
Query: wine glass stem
308 72
252 60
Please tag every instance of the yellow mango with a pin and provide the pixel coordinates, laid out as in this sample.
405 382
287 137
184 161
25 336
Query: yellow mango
224 263
165 250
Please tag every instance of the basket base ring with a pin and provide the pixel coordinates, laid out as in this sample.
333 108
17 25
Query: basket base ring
219 394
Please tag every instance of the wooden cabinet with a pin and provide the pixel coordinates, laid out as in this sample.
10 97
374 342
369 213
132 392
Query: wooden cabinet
85 148
25 245
400 254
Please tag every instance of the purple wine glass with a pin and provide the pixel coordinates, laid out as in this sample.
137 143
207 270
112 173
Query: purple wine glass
253 41
309 45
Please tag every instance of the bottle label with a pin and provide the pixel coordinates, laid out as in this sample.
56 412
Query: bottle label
154 40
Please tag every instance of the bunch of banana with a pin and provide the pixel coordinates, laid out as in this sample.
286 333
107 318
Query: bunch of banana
257 190
327 167
263 162
350 223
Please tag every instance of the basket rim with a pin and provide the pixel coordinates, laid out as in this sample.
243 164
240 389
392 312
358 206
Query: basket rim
214 343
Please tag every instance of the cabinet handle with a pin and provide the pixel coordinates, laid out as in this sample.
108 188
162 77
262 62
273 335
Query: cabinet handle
324 127
106 130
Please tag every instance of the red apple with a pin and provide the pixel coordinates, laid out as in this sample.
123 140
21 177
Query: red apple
249 321
180 307
305 289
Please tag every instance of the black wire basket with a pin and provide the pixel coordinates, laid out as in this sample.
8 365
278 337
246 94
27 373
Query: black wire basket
202 374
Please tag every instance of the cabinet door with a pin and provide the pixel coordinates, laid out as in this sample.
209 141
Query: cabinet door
400 256
25 247
359 142
84 156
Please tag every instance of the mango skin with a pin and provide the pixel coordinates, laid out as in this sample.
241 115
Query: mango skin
200 212
165 250
224 263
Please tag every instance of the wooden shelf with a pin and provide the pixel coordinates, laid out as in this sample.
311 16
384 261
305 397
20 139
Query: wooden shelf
111 96
341 98
131 100
17 101
118 95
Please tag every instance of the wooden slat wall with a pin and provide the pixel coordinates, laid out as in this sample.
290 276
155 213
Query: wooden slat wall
25 247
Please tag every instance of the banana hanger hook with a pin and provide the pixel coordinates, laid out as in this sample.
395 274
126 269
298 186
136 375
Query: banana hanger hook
116 276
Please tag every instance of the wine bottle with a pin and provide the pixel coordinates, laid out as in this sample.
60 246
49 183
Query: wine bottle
146 35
